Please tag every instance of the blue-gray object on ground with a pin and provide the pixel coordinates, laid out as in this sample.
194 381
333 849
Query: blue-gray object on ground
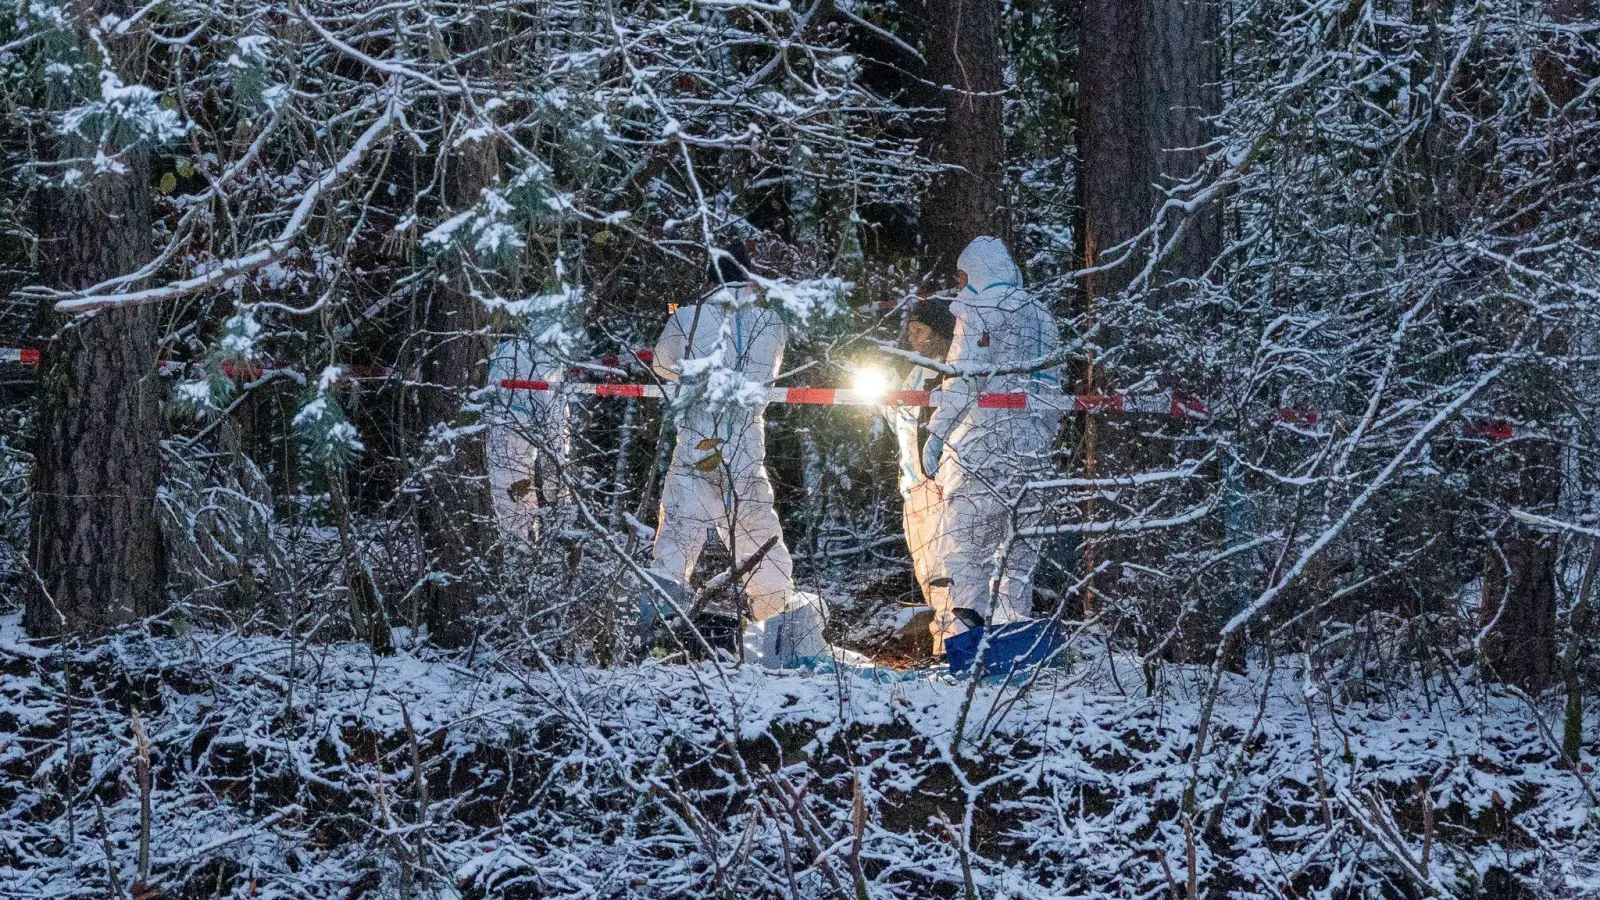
1012 649
787 639
652 608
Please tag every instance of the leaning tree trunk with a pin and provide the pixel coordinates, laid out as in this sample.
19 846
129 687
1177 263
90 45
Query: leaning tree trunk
95 542
1148 74
962 49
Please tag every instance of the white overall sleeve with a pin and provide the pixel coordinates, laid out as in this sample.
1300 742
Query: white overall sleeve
969 349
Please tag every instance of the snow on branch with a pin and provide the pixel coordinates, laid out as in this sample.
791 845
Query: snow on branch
267 252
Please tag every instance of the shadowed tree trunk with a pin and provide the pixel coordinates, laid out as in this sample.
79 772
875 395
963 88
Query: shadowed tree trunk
456 517
1520 570
1148 74
94 539
962 49
1115 171
1519 578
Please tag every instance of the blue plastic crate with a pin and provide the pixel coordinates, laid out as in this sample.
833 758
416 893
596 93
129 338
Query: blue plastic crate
1014 649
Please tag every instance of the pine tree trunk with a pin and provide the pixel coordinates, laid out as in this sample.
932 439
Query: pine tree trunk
1148 75
95 542
1147 79
962 49
1182 90
456 517
1519 583
1114 171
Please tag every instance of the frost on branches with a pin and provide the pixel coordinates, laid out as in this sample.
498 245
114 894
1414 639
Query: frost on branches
1332 611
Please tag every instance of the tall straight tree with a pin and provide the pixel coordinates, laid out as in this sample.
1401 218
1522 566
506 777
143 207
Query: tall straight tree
456 512
1147 81
1519 607
966 80
456 515
95 543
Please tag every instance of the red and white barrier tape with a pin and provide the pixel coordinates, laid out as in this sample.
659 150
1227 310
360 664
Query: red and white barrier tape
1091 403
1176 406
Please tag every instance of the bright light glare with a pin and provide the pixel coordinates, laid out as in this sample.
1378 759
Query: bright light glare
870 383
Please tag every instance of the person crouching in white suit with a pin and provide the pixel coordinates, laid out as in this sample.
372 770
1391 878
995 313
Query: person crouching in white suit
987 453
718 476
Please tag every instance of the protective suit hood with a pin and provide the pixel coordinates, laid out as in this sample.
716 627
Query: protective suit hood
988 264
989 451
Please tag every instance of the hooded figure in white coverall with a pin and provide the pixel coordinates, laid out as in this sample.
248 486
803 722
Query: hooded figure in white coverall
987 453
718 477
530 429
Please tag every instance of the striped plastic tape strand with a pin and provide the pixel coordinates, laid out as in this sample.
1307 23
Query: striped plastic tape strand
1167 403
813 396
1174 405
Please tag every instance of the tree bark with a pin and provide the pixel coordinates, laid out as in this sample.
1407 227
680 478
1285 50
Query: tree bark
94 540
456 517
1147 79
1114 170
962 49
1520 570
1519 578
1148 76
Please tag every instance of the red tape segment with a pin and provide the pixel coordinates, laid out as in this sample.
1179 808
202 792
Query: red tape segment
809 396
1002 401
1488 429
1097 403
908 398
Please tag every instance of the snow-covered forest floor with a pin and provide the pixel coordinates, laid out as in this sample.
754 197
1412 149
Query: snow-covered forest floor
281 769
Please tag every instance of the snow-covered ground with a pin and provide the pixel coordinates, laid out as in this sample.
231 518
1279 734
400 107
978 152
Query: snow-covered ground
285 770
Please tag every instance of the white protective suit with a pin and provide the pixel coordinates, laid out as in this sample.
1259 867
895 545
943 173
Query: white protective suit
919 495
718 477
523 476
987 453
